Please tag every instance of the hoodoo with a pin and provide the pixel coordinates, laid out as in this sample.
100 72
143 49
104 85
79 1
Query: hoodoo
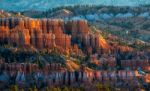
47 33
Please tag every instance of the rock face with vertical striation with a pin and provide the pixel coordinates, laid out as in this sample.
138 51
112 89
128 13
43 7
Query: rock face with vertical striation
77 28
83 36
49 40
54 75
50 33
4 34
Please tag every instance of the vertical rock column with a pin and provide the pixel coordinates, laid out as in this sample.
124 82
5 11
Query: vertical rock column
49 40
4 34
45 26
26 37
14 38
39 39
33 37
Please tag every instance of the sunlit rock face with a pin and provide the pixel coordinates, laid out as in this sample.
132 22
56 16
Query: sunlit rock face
117 48
83 36
39 38
19 37
49 40
39 33
50 33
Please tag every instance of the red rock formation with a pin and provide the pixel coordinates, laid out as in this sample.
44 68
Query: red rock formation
32 24
49 40
77 28
14 38
26 37
147 78
96 41
122 75
125 49
147 68
19 36
98 75
39 38
76 50
45 25
83 27
26 23
21 23
135 63
47 33
101 43
55 77
4 33
33 37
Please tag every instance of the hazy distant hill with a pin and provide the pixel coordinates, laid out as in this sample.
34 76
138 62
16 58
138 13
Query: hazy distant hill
19 5
4 14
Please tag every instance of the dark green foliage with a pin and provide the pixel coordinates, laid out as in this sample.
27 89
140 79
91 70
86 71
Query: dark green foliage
93 66
21 56
91 9
146 26
127 25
